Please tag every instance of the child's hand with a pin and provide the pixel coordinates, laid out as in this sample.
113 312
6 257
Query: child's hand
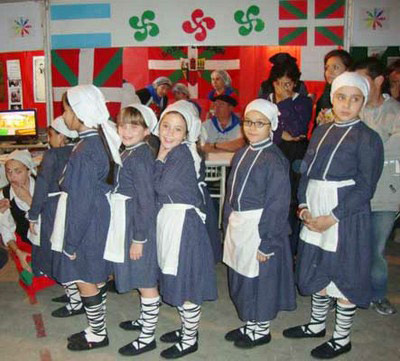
22 256
32 227
306 216
4 205
136 251
320 224
261 258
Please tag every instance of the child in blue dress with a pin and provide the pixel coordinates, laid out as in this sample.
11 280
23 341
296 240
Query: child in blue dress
43 209
340 171
256 247
83 211
132 242
184 251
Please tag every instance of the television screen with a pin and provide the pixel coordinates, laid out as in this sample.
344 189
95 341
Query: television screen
17 125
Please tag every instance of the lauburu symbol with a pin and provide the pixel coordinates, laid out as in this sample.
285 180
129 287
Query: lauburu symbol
144 25
247 23
199 20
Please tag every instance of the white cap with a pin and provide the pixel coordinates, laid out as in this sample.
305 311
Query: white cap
23 156
89 105
265 107
58 124
351 79
148 115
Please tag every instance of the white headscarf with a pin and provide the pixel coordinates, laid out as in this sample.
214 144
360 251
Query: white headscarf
23 156
224 76
193 124
129 95
89 105
148 115
58 124
267 108
351 79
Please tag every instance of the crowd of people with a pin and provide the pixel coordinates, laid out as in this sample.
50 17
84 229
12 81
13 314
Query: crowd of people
127 200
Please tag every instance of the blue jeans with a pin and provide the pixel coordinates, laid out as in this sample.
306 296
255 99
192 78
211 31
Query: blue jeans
382 225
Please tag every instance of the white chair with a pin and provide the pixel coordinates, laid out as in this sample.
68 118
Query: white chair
217 174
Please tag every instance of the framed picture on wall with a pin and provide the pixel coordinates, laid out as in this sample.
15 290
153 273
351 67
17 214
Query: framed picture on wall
39 80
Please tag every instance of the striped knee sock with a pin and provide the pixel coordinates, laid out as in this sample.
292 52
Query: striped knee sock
149 311
191 321
344 321
95 314
75 300
319 311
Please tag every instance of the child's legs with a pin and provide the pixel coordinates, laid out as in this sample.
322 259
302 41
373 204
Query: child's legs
149 292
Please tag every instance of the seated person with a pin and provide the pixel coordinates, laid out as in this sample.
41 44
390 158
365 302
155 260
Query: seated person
222 132
181 92
15 201
155 94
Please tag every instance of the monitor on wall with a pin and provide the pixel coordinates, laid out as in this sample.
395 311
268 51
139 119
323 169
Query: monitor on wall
20 125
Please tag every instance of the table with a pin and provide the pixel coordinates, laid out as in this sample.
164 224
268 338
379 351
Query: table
216 164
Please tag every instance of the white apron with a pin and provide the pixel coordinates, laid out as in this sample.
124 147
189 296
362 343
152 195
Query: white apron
115 245
322 198
170 221
57 236
35 238
242 241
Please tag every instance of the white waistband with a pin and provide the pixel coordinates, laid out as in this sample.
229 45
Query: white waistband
332 184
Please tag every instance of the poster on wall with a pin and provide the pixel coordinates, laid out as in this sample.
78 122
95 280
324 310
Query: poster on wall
39 82
14 84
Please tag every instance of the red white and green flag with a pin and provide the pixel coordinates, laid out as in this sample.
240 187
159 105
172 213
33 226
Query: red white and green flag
101 67
329 35
293 35
329 9
192 65
292 9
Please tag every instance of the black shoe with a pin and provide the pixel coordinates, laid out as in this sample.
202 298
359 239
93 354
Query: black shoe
76 335
297 332
65 312
172 337
234 335
173 351
130 350
247 342
326 351
61 299
81 344
131 325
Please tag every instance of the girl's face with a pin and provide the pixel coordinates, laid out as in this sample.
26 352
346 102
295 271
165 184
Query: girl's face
347 103
162 90
132 134
285 83
172 130
217 82
17 173
56 140
70 119
256 126
333 67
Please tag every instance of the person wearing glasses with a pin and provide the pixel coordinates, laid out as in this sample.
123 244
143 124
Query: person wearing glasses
291 135
256 248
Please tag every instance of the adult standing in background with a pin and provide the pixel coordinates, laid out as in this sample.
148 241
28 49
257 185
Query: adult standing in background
382 114
155 94
336 62
394 79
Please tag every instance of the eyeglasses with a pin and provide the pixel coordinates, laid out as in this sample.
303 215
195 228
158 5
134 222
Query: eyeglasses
258 124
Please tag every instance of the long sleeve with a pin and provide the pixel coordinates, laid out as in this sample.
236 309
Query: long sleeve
144 200
295 115
81 177
274 219
7 227
370 157
42 184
